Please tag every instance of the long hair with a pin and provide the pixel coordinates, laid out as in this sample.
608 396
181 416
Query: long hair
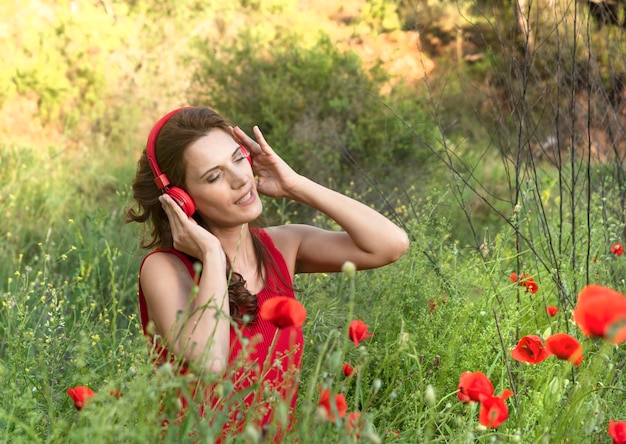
179 132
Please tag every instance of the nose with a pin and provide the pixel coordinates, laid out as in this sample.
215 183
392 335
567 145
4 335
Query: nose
239 178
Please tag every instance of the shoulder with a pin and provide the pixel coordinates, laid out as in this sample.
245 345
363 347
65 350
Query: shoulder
168 258
163 264
294 240
288 237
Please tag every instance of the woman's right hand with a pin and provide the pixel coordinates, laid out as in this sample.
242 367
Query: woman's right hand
187 235
275 178
191 316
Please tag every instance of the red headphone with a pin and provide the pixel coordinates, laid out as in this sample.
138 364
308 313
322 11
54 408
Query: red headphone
179 195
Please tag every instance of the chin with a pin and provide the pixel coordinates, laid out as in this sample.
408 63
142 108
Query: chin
258 211
236 219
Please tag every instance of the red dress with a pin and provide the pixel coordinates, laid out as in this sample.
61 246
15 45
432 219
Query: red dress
249 364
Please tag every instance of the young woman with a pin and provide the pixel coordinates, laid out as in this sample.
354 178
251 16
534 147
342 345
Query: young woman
197 187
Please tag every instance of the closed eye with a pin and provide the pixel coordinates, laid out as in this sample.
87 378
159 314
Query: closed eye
242 153
238 155
212 178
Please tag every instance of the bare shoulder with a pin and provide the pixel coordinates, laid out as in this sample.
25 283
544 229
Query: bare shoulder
162 261
162 270
288 237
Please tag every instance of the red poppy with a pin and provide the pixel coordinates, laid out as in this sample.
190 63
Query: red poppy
530 349
552 310
617 431
348 370
601 312
434 302
565 347
283 312
493 410
531 286
474 386
617 249
116 393
392 433
525 277
340 404
526 281
357 331
353 423
81 396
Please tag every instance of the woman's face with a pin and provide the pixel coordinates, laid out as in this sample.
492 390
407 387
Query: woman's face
220 181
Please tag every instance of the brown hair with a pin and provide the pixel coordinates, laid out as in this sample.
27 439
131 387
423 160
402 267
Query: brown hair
180 131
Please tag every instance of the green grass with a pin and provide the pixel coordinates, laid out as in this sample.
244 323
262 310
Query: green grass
69 316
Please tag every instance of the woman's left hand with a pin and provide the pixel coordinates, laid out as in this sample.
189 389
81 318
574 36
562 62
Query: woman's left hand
274 177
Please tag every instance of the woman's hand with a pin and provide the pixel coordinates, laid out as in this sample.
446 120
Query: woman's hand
187 235
370 240
274 177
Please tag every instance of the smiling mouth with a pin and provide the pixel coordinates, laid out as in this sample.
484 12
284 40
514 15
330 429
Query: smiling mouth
245 198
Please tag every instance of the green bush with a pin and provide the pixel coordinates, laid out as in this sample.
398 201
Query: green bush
316 105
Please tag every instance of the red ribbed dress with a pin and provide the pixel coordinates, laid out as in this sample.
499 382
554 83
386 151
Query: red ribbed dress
279 377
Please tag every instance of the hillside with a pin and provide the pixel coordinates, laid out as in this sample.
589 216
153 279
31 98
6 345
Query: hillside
75 71
54 56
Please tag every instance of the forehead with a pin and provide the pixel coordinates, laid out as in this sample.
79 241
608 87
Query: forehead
210 150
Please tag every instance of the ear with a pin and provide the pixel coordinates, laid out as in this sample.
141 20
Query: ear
183 200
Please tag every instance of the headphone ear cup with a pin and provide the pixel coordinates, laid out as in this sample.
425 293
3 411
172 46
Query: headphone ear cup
183 200
246 153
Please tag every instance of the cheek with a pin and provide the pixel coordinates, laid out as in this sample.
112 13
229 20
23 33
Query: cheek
206 202
208 214
209 194
209 207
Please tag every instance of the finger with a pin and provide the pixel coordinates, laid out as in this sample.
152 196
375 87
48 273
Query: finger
265 147
165 204
174 213
234 134
241 136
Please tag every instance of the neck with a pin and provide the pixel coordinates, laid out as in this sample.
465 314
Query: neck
237 245
239 248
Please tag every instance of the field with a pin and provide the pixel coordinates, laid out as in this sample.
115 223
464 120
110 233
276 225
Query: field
512 197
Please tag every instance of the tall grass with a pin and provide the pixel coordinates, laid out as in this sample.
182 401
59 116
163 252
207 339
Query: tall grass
537 187
69 317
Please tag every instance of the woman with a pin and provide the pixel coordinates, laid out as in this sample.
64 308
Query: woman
196 188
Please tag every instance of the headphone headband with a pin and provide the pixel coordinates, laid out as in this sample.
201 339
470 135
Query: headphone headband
160 179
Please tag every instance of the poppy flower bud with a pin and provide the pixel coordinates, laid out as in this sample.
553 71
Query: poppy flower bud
252 434
429 396
349 269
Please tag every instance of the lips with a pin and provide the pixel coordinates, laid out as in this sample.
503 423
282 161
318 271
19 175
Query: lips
245 198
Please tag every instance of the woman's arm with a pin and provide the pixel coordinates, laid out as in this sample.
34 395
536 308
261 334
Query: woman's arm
370 240
192 321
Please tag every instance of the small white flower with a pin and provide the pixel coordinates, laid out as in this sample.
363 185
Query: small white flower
349 269
429 396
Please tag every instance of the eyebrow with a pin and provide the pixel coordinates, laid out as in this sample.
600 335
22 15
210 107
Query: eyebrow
217 166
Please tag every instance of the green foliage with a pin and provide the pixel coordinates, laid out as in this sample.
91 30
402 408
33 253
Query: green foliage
315 104
68 317
380 16
65 59
43 186
505 201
